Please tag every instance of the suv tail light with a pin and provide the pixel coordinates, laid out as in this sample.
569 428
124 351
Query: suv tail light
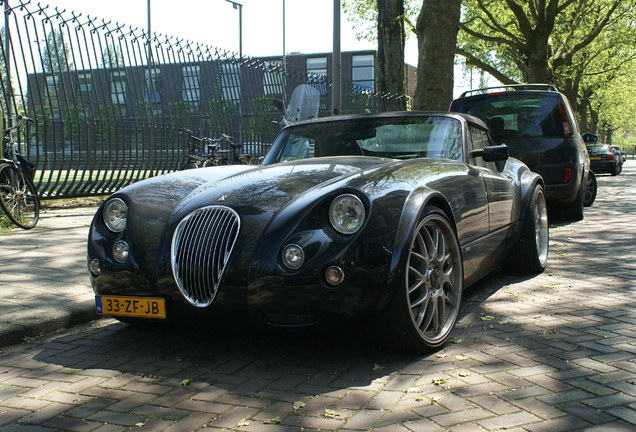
567 124
567 173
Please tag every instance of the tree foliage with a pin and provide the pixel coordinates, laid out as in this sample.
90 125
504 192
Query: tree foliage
582 46
56 55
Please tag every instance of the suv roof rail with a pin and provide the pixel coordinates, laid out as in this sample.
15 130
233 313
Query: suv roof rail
512 87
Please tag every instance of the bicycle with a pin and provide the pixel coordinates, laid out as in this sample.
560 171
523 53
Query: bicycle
205 152
18 195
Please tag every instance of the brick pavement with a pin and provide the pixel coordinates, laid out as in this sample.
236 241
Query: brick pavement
556 352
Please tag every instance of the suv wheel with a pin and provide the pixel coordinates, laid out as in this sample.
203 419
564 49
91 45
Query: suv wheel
589 192
573 210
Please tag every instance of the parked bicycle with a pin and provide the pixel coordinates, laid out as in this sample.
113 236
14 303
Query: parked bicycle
18 195
204 152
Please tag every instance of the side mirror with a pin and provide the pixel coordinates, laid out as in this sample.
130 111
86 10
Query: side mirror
590 138
492 153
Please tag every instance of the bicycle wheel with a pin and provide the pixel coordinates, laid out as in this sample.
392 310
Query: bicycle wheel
18 197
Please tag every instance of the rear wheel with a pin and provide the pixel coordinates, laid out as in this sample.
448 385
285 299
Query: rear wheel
530 254
18 197
189 165
573 210
589 193
424 311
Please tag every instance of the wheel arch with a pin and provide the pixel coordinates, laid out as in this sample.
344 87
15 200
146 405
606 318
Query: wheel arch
412 211
528 180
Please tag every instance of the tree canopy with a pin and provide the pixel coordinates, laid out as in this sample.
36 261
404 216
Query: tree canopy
587 48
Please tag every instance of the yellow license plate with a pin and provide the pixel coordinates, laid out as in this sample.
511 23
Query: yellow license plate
142 307
595 158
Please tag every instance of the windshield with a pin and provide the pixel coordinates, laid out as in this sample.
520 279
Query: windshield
393 137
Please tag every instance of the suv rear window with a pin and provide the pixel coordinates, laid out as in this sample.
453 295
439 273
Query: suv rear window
515 115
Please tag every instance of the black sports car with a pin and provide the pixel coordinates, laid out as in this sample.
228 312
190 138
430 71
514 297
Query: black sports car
386 216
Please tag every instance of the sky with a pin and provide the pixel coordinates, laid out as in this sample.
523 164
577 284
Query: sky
308 24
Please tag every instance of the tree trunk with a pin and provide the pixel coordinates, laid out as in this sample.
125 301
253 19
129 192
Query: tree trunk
390 68
436 29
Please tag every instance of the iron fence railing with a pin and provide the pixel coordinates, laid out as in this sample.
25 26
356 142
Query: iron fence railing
109 101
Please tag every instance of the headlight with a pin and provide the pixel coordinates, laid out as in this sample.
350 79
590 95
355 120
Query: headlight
346 213
115 214
293 256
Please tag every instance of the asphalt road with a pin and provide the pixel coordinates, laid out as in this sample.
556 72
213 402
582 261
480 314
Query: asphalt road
555 352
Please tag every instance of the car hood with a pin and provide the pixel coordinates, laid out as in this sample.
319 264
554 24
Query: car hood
267 189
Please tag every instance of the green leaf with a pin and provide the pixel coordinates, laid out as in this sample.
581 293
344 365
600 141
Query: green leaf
328 413
186 382
275 420
299 405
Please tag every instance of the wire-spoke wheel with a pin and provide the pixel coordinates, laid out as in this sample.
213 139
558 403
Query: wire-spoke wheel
426 307
18 197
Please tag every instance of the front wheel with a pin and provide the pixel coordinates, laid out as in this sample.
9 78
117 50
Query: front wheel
530 254
425 309
18 197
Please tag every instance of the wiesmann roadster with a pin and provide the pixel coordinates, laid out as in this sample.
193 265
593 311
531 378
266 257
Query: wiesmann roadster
385 217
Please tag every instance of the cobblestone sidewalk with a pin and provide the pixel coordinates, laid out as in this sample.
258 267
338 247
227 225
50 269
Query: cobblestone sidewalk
556 352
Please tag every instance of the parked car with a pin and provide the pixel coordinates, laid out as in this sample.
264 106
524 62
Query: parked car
537 124
386 216
619 152
604 159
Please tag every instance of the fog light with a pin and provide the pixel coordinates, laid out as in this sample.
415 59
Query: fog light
334 275
293 256
95 266
120 251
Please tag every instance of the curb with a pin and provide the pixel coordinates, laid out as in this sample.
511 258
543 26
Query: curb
45 321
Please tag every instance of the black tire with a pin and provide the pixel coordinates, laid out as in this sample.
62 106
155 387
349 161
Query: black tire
619 168
18 197
614 170
573 210
530 254
189 165
424 311
210 162
590 190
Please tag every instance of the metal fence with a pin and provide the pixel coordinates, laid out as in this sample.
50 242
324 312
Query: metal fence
109 101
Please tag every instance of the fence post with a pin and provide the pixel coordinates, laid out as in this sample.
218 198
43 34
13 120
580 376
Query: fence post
7 63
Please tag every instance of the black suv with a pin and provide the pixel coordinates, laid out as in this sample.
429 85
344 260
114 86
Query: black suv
539 127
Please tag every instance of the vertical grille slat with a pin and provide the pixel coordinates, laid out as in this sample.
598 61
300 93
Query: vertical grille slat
201 248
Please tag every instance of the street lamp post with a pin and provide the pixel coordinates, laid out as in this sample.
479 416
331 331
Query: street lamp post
239 6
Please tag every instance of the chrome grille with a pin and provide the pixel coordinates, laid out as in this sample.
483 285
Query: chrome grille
201 248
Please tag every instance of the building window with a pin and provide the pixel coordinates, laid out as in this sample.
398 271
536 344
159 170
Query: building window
317 73
118 87
231 82
84 86
362 72
191 92
273 79
316 66
52 102
152 92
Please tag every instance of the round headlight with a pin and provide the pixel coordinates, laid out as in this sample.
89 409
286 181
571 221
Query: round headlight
115 214
293 256
346 213
120 251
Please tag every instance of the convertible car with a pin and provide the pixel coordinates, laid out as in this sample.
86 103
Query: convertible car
386 217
